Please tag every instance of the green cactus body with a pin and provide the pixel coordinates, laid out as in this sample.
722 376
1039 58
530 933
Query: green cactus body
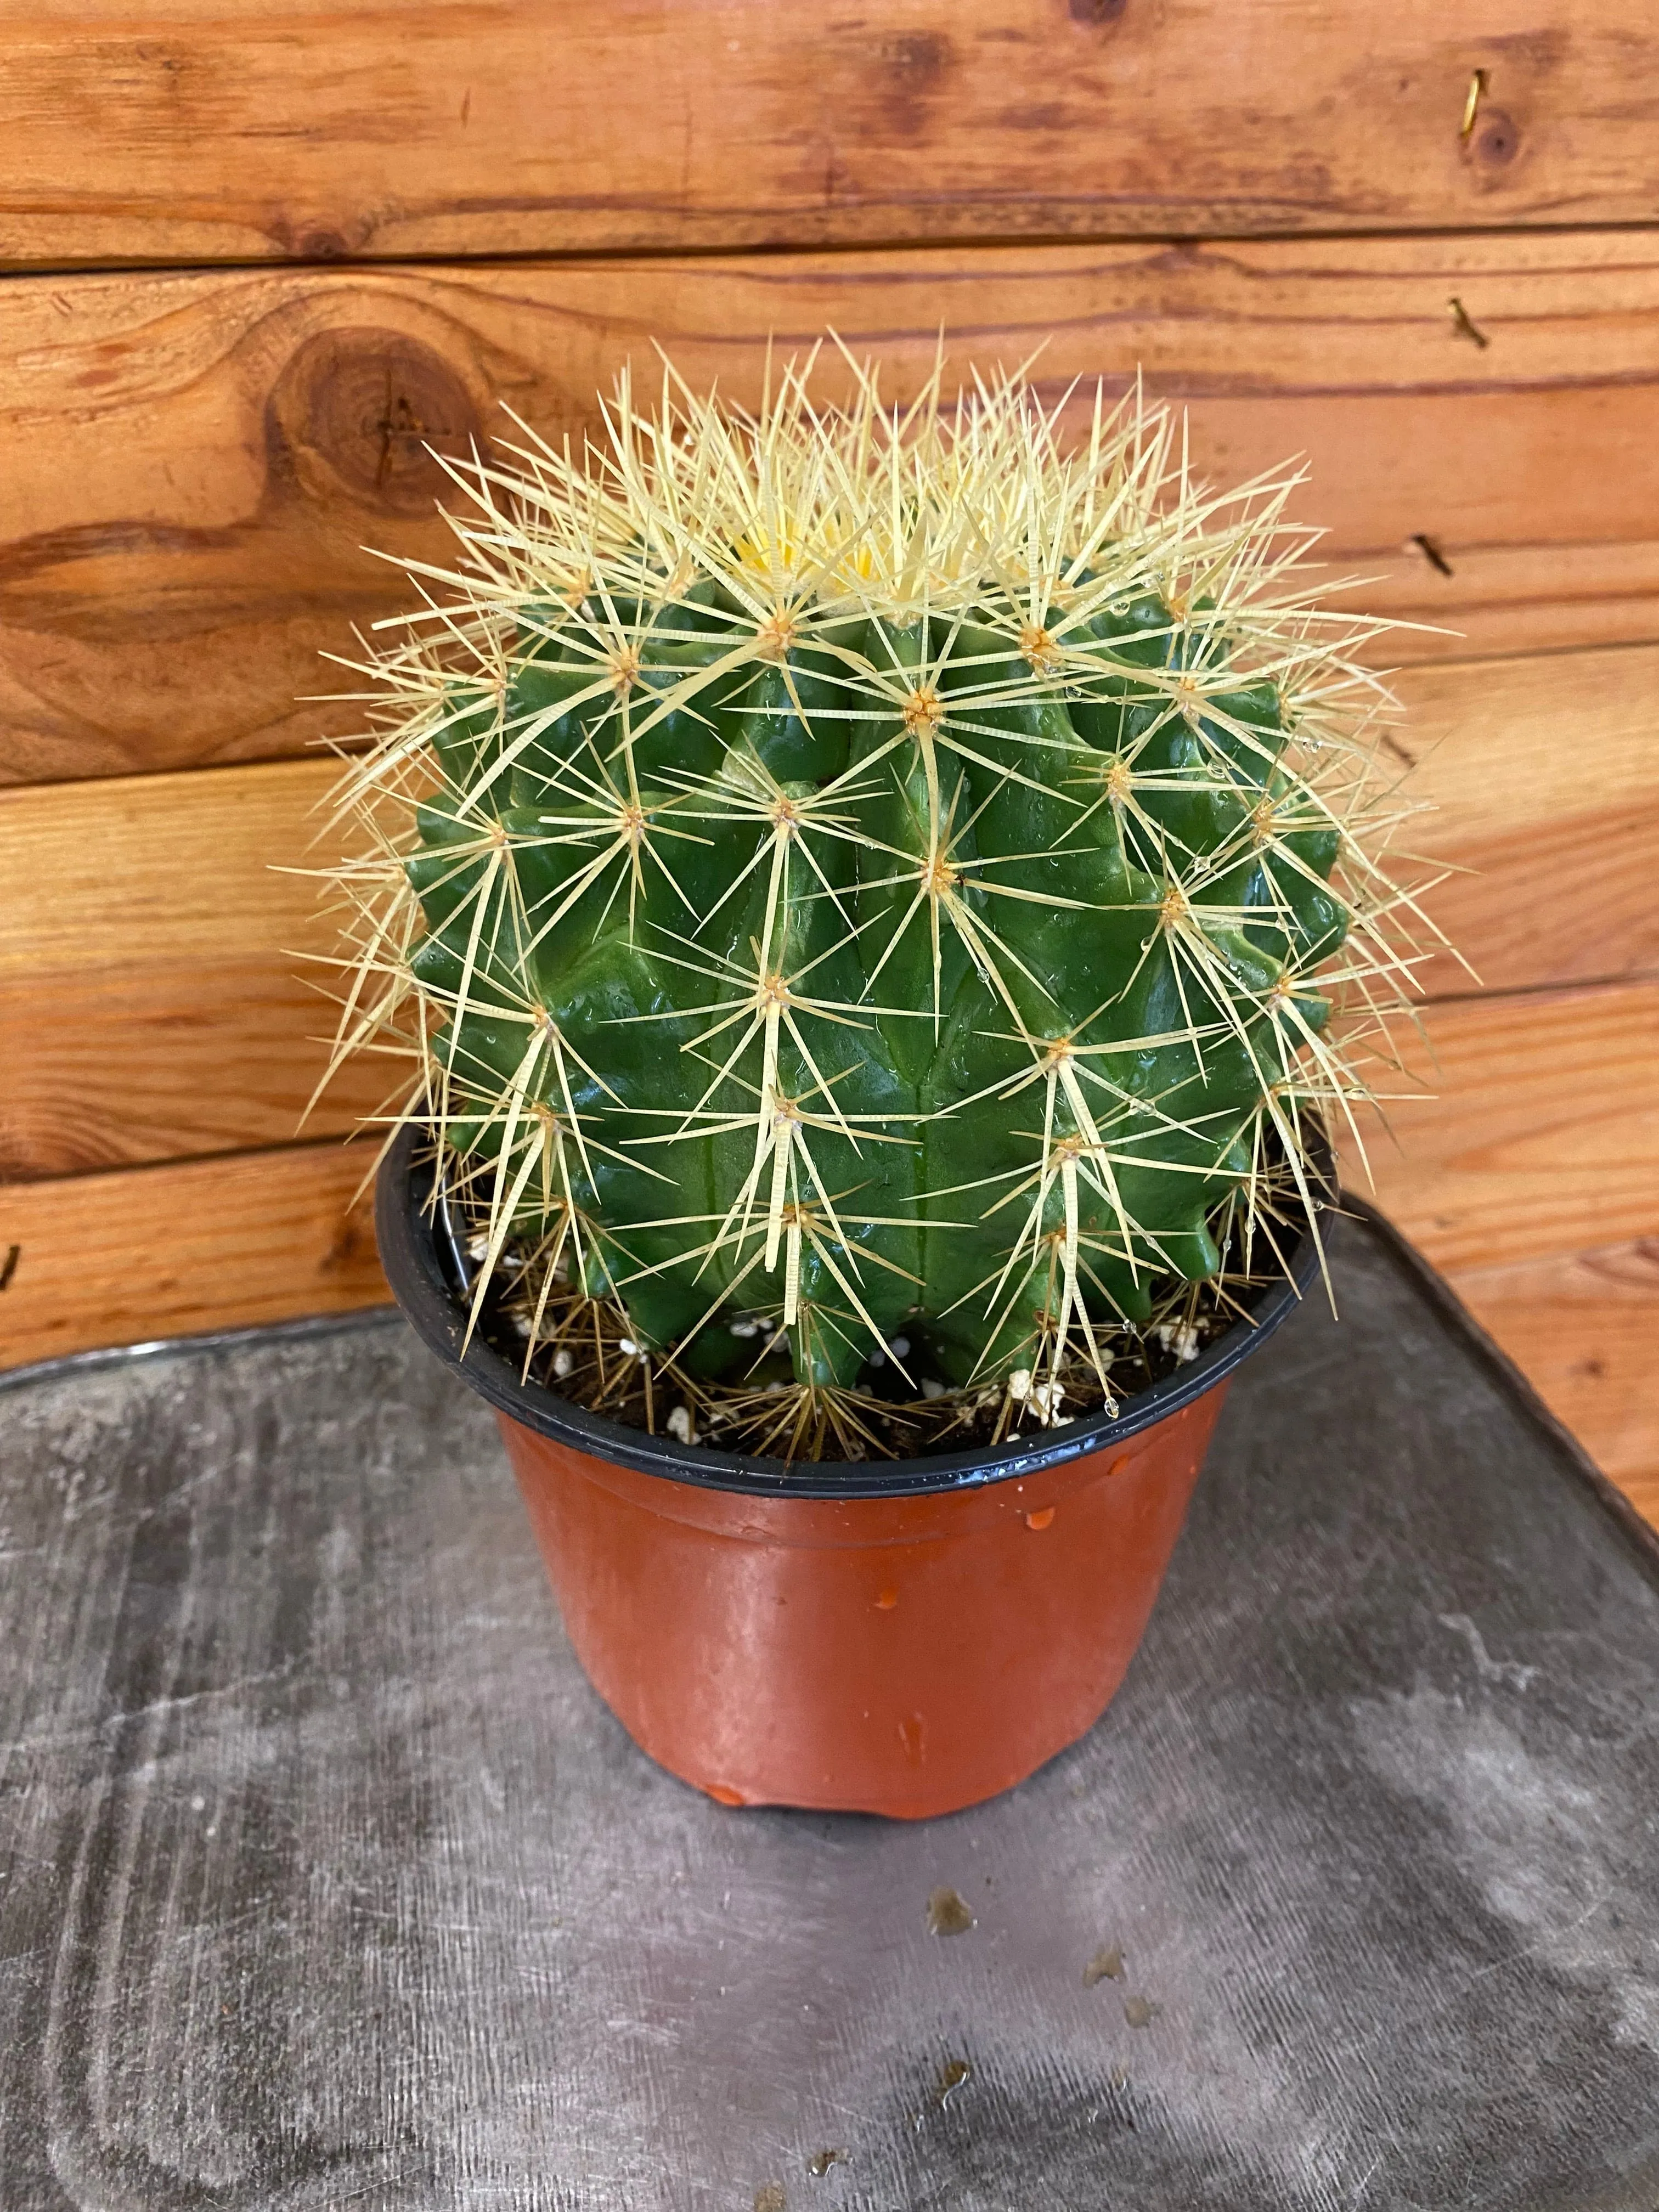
892 944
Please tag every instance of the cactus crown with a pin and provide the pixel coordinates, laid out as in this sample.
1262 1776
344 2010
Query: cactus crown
870 869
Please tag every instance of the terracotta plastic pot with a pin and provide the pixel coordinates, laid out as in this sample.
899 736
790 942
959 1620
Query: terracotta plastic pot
906 1636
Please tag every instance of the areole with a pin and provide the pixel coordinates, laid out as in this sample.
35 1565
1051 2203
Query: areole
905 1636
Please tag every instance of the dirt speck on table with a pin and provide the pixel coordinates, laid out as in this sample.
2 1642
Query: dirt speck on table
948 1913
951 2076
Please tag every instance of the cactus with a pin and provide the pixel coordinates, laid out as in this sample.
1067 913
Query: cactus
894 872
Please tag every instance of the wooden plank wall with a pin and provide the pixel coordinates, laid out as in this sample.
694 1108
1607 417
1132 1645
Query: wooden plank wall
255 267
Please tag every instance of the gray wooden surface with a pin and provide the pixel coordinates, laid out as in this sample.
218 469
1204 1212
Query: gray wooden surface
327 1881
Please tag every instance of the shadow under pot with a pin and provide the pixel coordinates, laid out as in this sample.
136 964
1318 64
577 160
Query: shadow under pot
907 1637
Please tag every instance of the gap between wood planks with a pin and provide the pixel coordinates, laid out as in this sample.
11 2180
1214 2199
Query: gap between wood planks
1478 994
827 249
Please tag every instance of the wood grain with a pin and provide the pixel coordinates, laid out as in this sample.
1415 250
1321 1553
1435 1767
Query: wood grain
191 464
152 1002
1543 1138
169 1251
1543 777
190 132
1583 1330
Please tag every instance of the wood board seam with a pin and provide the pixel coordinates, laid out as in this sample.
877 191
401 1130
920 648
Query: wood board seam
1588 1254
1458 661
225 1154
1580 987
783 250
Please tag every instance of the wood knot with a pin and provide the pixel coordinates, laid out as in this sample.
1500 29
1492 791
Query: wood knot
353 413
1096 11
1497 141
915 57
310 237
910 67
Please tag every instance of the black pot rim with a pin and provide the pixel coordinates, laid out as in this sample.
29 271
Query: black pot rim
410 1252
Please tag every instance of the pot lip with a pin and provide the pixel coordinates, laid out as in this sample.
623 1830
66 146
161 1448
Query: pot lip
404 1229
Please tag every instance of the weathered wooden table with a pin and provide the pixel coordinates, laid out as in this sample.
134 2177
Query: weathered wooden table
329 1882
